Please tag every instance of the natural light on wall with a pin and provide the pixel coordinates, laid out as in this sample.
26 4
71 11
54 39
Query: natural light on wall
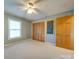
14 29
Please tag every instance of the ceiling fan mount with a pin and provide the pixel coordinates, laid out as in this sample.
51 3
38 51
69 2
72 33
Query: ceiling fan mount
31 4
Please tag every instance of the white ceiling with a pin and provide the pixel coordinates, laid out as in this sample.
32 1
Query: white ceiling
46 7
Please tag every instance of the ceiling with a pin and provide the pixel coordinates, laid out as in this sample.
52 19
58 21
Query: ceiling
46 7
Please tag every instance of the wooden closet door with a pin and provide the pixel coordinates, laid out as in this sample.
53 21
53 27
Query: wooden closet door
38 31
34 31
63 31
67 32
42 31
59 23
33 34
40 34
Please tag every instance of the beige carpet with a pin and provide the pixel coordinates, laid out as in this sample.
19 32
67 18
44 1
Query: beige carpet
30 49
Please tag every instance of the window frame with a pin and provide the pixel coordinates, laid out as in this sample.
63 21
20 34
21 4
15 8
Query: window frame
14 19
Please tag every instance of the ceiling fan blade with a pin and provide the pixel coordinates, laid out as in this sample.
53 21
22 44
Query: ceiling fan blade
34 1
20 3
25 1
15 4
37 1
38 11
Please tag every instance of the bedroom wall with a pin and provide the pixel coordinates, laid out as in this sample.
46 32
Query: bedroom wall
26 28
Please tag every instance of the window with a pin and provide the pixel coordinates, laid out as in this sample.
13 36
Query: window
14 29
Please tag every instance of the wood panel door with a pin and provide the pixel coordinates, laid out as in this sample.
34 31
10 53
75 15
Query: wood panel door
63 32
34 34
38 31
42 31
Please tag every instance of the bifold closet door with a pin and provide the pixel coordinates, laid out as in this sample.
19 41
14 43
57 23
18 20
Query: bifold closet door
42 34
63 32
38 31
34 33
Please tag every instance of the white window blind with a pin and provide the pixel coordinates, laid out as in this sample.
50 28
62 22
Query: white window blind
14 29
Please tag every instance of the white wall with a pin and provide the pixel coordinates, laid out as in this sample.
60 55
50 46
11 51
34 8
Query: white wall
26 28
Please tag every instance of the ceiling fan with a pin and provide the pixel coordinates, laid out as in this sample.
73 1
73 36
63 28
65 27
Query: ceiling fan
29 6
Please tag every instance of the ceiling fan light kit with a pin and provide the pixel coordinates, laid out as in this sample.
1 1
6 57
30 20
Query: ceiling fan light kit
29 7
30 11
